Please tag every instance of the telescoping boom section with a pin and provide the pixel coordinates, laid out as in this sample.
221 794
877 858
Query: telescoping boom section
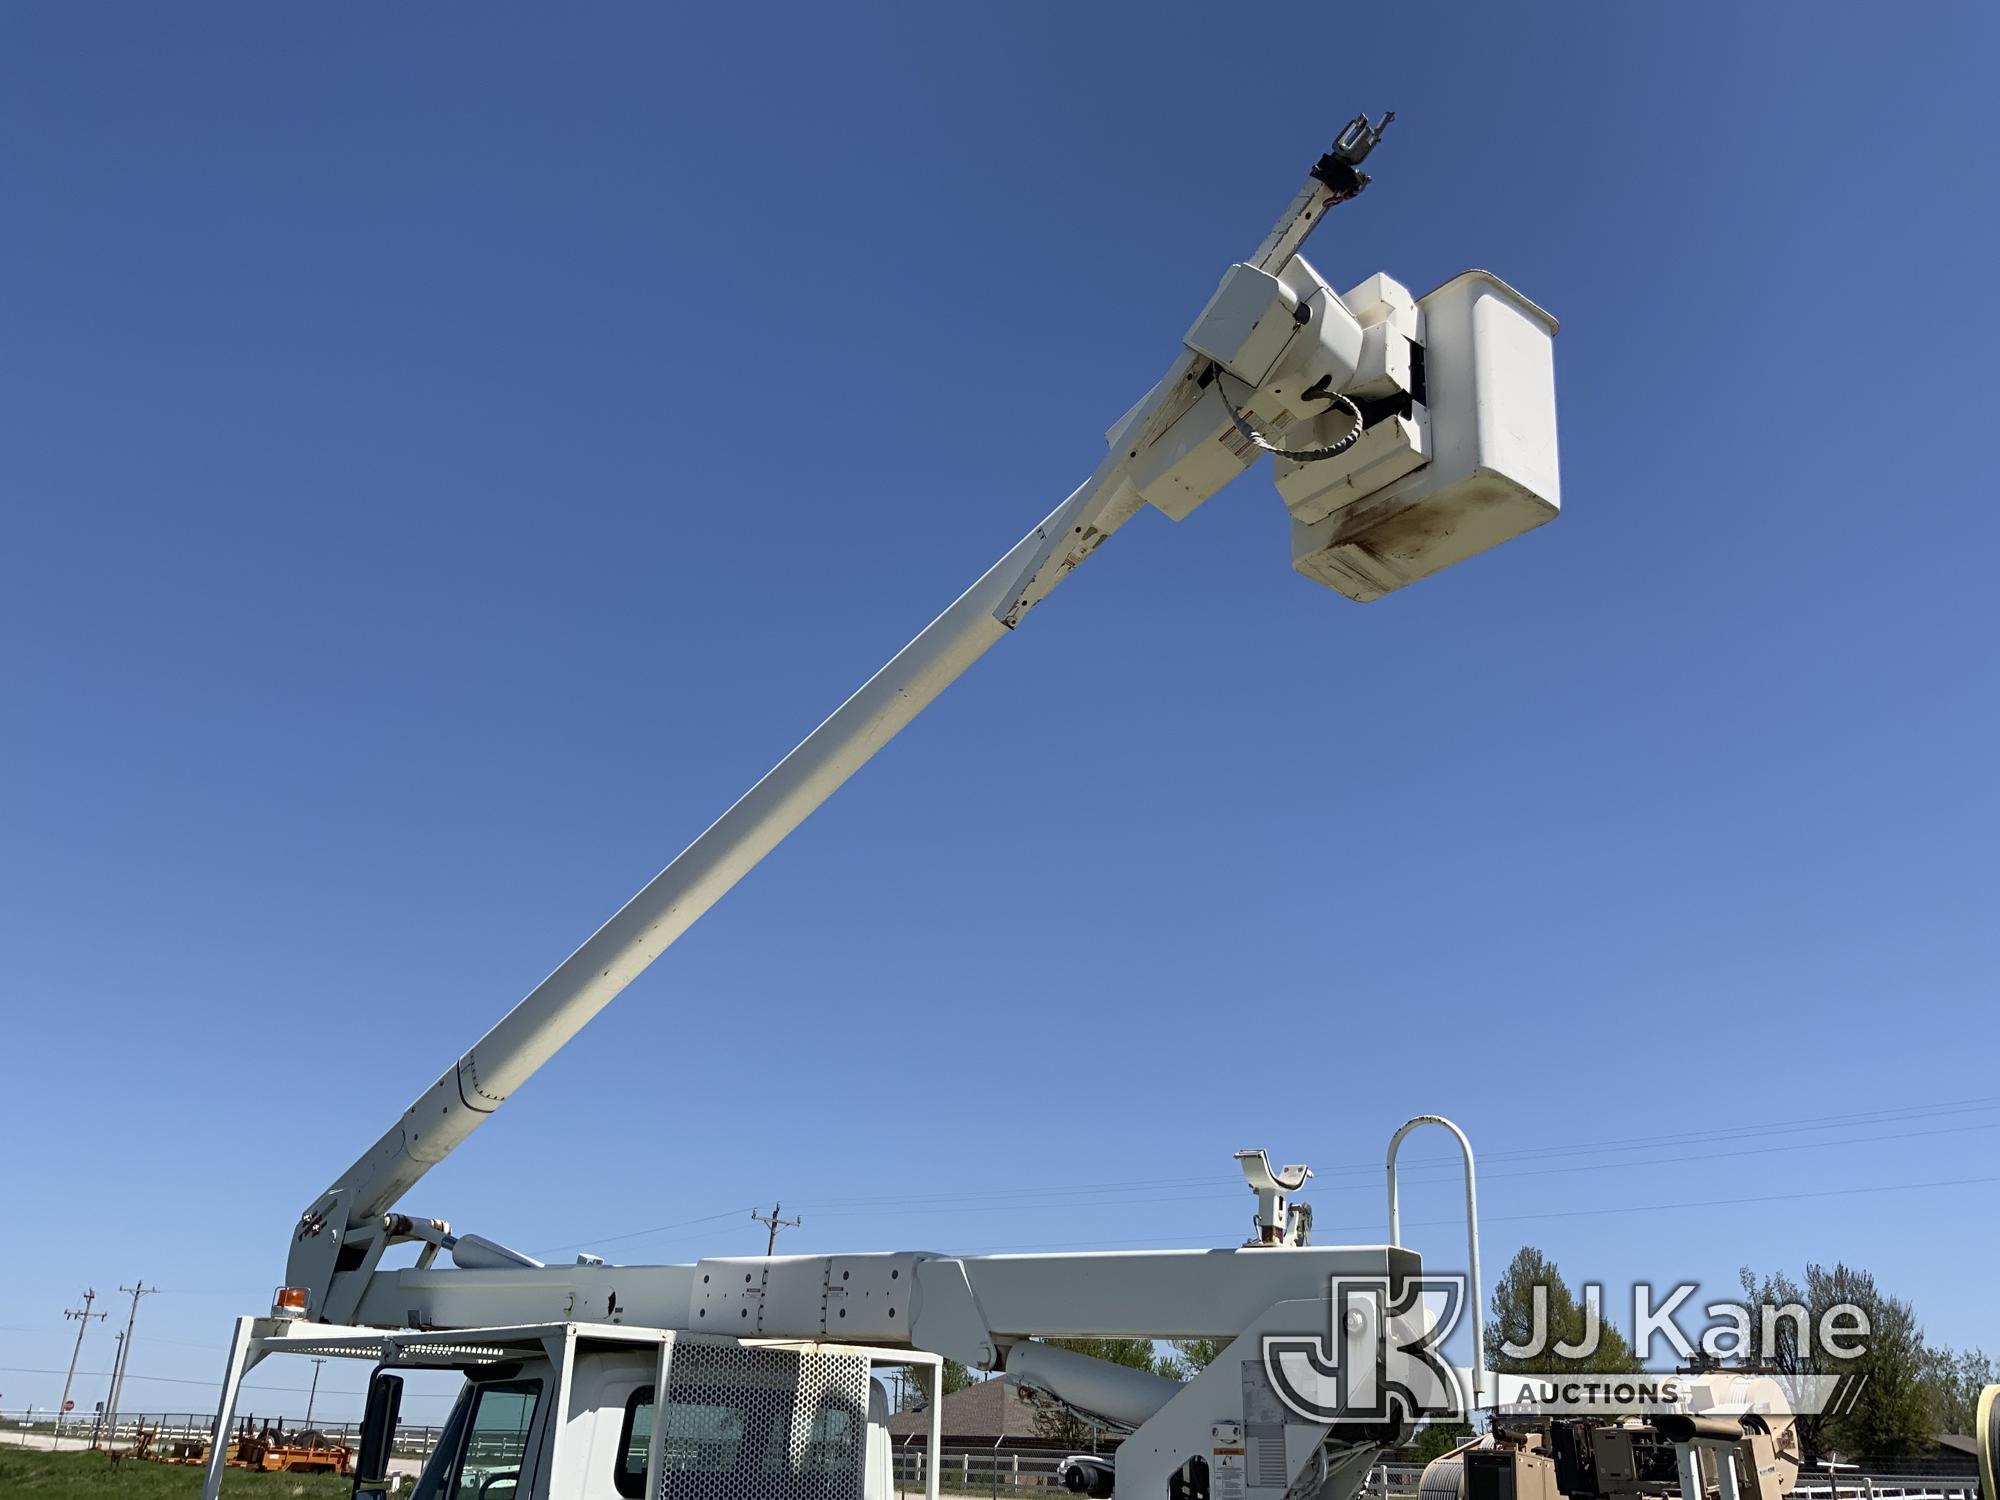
1407 433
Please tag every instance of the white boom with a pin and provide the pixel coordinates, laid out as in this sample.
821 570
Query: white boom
1409 433
1184 441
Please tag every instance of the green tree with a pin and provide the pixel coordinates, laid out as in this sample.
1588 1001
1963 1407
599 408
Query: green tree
1955 1378
1535 1313
1776 1343
1187 1358
1895 1411
1892 1414
918 1389
1438 1439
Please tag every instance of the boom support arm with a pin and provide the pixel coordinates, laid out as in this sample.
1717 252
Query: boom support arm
340 1236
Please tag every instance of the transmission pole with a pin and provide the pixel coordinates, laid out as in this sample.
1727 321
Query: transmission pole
776 1223
83 1316
138 1290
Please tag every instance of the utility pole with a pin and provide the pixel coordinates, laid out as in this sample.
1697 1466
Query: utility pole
117 1364
137 1289
83 1316
313 1394
776 1223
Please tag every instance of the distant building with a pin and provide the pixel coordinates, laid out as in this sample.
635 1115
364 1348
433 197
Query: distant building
988 1415
1952 1453
1946 1456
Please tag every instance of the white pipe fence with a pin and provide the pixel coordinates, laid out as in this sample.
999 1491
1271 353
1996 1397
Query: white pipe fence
82 1428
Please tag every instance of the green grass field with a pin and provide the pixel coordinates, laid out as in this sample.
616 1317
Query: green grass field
92 1476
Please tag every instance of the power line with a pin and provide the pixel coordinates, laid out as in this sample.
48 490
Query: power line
1647 1208
879 1199
1795 1125
633 1234
1133 1191
1659 1161
1015 1205
1698 1137
1566 1213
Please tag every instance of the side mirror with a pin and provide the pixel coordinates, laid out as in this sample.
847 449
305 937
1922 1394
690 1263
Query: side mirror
378 1434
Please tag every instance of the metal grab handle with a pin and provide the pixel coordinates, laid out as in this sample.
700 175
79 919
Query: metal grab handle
1479 1377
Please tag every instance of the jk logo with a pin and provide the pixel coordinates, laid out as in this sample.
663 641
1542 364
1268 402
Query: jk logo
1379 1359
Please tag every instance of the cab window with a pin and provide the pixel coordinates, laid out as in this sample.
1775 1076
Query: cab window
496 1442
738 1437
633 1438
699 1438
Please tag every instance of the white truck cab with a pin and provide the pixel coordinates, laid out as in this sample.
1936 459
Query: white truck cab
575 1409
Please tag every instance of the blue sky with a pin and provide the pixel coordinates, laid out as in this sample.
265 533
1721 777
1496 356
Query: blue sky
445 457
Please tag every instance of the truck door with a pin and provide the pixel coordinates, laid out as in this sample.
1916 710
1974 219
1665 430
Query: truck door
491 1452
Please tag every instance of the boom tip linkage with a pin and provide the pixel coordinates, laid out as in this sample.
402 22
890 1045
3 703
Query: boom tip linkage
1340 167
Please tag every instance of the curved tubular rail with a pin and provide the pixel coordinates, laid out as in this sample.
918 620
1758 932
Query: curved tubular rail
1475 1293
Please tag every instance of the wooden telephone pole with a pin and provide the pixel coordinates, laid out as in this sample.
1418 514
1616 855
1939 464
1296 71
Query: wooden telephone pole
83 1316
776 1223
138 1289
